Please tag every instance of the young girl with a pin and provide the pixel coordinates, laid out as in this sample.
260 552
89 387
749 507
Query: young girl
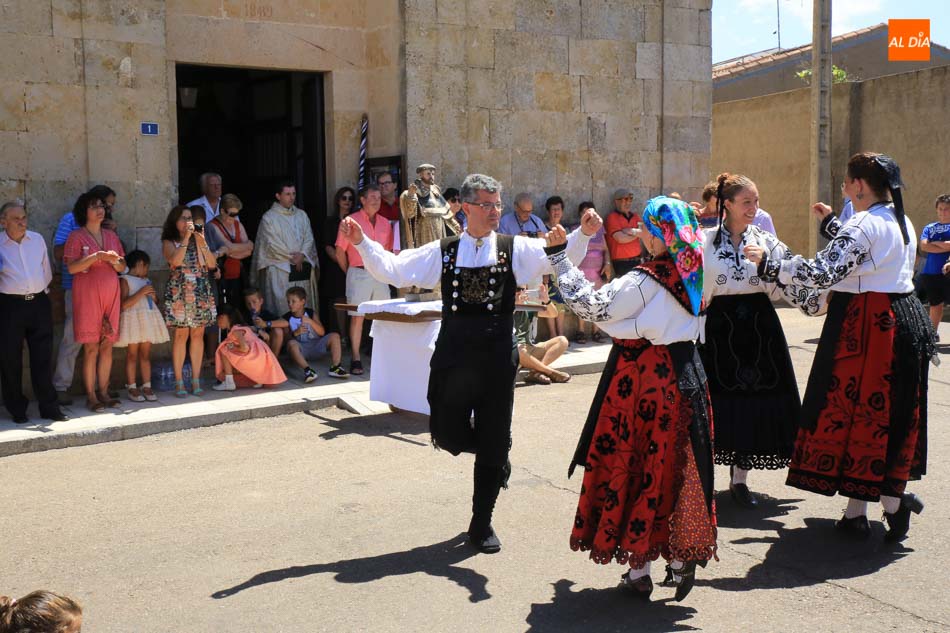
40 611
140 325
244 351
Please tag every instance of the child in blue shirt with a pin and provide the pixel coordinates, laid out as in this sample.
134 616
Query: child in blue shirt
935 242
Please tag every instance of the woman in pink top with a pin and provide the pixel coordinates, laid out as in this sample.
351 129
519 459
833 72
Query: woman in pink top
244 353
94 256
596 268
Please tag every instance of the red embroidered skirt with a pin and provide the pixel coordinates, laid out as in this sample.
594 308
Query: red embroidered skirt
847 451
642 496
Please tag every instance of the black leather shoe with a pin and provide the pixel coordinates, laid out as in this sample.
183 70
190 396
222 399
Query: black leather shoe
55 416
486 543
743 496
20 419
683 579
640 588
899 522
857 528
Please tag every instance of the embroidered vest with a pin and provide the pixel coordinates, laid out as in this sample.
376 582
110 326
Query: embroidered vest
664 272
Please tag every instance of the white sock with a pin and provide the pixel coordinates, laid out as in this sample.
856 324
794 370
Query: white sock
676 565
739 475
891 504
147 385
229 380
636 573
130 386
856 508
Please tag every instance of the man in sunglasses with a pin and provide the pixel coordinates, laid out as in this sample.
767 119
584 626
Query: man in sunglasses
475 360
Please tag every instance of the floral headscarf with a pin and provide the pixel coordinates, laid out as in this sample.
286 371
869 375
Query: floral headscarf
675 223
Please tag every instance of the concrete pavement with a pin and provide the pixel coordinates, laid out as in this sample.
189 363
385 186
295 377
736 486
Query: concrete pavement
330 521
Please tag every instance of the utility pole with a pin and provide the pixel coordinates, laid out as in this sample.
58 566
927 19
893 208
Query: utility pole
820 187
778 23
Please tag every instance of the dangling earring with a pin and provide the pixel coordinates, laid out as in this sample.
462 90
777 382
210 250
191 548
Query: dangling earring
859 196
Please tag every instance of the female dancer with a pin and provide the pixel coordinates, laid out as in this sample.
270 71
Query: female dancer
647 446
751 381
864 415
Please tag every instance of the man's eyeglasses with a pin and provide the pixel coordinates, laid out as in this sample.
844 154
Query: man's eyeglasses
488 206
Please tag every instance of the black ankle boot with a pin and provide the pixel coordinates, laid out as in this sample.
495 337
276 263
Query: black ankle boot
899 522
488 481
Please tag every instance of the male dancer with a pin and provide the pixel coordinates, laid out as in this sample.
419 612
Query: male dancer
475 358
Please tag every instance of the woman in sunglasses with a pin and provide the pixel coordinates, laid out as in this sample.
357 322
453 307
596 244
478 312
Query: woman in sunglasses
230 244
333 278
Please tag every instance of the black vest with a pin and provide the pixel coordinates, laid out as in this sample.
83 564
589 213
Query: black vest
478 305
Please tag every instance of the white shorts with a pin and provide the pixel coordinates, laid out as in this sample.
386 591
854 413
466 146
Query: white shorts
360 287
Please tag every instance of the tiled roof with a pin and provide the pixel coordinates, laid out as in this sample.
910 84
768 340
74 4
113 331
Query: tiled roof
772 56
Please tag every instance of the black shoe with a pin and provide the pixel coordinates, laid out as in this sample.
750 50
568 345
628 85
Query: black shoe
743 496
899 522
55 416
21 419
685 581
640 588
857 528
486 543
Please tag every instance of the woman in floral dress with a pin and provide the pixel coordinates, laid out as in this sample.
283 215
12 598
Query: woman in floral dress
189 298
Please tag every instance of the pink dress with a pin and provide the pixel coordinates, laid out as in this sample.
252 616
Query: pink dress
96 296
258 364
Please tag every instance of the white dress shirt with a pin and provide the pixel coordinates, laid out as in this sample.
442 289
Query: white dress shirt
210 212
24 267
422 267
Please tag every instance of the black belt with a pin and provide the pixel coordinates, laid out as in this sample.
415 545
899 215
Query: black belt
635 260
27 297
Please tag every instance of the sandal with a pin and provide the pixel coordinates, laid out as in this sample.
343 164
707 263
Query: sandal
597 337
135 395
534 378
559 376
356 368
149 394
107 400
580 338
196 389
95 406
180 389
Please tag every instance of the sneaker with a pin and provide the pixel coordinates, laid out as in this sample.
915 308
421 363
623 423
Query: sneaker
338 372
258 386
309 375
224 386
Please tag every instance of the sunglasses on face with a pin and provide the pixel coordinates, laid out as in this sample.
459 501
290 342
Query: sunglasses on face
350 198
454 199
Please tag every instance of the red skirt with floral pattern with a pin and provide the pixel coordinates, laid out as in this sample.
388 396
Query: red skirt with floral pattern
642 497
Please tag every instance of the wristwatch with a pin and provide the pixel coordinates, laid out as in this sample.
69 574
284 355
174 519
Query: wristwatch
268 324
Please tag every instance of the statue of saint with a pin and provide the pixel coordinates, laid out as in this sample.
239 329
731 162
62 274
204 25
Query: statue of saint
426 215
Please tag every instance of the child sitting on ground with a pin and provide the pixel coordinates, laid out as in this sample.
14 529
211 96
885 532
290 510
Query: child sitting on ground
244 352
261 320
310 338
140 326
40 612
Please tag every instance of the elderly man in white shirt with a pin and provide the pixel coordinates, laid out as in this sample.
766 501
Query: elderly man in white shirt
25 315
211 195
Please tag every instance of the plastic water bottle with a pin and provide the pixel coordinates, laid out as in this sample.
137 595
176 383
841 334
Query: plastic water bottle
148 282
186 372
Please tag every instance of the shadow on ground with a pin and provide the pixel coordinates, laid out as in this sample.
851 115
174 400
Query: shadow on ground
438 560
810 555
731 515
605 610
396 426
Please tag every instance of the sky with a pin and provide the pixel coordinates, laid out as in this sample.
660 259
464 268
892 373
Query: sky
740 27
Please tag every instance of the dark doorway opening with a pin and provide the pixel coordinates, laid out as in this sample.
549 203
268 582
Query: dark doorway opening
254 127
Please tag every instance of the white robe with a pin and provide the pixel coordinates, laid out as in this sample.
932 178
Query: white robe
282 232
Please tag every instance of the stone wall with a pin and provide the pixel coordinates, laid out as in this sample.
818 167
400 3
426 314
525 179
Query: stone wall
574 98
902 115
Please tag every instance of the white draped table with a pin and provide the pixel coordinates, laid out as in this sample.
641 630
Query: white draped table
404 335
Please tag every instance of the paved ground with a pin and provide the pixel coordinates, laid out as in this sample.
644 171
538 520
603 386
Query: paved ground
327 521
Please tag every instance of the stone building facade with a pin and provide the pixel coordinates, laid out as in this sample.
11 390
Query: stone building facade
574 97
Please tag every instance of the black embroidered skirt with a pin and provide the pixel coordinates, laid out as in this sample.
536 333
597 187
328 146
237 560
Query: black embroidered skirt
755 398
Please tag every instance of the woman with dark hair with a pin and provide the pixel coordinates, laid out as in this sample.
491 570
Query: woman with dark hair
863 429
333 279
596 268
189 298
751 380
94 256
646 448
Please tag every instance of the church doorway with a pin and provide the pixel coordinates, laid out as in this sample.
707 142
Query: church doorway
254 127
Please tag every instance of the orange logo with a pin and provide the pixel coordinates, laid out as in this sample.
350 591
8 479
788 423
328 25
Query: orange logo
908 40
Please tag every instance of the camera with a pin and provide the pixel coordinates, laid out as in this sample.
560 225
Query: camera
199 228
531 233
